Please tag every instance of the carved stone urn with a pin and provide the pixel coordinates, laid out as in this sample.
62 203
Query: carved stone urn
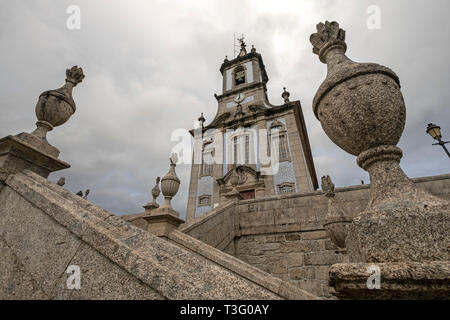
155 190
161 221
55 107
359 105
170 185
361 109
155 193
31 151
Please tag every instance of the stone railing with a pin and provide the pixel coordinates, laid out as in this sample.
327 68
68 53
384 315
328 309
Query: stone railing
216 228
116 260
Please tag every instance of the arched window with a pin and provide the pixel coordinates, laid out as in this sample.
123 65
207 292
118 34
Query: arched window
278 136
241 149
239 75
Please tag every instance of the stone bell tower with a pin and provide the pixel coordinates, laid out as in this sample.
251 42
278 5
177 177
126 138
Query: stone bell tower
252 148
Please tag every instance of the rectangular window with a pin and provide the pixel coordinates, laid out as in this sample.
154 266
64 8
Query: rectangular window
247 149
241 149
284 152
208 163
235 149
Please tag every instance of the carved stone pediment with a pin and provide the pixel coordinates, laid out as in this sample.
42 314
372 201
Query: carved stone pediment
220 119
240 175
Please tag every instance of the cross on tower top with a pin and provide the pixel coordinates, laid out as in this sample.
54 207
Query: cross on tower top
241 40
243 51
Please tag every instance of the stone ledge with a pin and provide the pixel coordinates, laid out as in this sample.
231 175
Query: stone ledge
255 230
398 280
241 268
171 271
226 241
17 155
186 227
337 190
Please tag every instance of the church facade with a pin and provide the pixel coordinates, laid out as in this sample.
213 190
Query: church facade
252 148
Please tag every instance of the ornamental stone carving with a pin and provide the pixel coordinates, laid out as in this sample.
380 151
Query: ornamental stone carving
361 109
161 221
170 185
55 107
336 221
155 193
327 186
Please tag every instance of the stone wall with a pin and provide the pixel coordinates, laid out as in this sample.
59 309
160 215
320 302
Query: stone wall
45 228
284 235
216 228
302 258
243 269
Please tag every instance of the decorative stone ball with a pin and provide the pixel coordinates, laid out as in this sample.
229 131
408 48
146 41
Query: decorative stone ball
362 112
54 107
57 106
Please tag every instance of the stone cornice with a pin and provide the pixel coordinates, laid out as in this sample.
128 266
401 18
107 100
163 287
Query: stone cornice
251 117
249 86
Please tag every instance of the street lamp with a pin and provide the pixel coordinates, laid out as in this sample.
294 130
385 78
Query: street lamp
435 132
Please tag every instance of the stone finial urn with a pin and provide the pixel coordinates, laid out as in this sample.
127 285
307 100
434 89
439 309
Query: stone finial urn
336 222
359 105
361 109
155 193
55 107
31 151
285 95
164 219
155 190
170 184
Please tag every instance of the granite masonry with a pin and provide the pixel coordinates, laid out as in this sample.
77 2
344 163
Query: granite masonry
257 227
285 235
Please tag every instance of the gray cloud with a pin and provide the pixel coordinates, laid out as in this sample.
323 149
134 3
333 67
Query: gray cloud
152 67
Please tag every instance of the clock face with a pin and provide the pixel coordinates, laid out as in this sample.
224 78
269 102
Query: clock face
239 97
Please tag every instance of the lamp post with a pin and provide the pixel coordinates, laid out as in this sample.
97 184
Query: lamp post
435 132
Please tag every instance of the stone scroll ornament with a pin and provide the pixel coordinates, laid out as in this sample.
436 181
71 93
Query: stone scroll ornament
55 107
361 109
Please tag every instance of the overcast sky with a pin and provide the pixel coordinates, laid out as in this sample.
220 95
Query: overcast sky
152 66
